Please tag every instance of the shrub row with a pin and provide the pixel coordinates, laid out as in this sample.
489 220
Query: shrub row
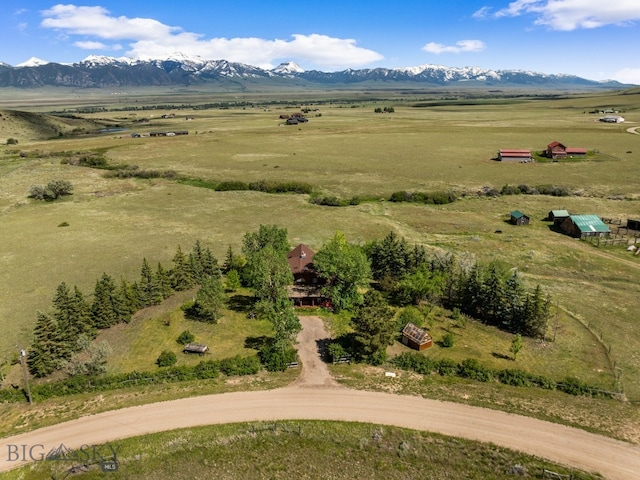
553 190
474 370
333 201
135 172
206 369
427 198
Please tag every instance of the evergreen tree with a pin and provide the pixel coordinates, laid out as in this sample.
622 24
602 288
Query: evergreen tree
228 261
373 327
515 295
102 308
209 262
181 277
128 304
163 282
149 293
390 258
45 354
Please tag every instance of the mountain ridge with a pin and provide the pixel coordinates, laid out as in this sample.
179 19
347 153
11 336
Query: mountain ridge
184 70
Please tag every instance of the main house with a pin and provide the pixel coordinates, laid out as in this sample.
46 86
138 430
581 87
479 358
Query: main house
307 285
557 150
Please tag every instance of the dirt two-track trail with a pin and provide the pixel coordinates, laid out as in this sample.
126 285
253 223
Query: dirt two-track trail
316 396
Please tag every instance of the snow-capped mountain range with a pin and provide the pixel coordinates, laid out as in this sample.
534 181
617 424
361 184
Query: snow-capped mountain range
179 69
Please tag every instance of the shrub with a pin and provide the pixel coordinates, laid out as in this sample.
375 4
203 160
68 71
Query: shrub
275 358
51 191
471 368
448 340
447 367
240 365
166 359
12 141
185 337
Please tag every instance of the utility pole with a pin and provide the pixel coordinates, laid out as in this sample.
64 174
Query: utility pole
23 362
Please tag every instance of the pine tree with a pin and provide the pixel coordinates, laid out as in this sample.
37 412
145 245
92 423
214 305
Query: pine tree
45 354
374 327
515 299
163 282
102 310
209 262
148 288
181 278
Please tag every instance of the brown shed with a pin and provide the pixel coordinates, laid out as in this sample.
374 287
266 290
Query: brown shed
519 218
415 337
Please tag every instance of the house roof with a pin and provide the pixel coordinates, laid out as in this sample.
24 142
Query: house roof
300 258
574 150
510 152
416 333
589 223
517 214
555 144
559 213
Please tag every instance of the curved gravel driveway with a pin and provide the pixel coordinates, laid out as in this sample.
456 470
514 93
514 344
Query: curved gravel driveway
316 396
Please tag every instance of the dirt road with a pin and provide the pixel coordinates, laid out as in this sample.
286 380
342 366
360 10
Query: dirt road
316 396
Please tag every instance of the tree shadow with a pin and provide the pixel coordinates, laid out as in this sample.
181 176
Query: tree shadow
256 343
241 303
323 349
501 356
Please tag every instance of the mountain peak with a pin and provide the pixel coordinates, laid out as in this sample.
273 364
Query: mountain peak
288 68
33 62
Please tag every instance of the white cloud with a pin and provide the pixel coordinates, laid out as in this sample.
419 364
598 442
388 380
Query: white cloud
628 75
92 45
459 47
149 38
572 14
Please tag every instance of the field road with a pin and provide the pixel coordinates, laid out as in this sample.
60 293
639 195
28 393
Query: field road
316 396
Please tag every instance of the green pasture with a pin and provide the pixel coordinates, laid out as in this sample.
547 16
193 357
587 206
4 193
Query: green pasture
348 150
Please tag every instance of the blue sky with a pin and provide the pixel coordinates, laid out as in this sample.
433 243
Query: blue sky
595 39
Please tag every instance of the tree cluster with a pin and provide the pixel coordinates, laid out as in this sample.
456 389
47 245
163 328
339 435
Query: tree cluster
491 293
75 317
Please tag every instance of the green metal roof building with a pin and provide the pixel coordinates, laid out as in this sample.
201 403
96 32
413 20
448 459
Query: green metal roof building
585 226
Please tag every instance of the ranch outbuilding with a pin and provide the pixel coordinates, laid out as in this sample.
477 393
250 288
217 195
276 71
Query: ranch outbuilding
519 218
416 337
514 155
583 226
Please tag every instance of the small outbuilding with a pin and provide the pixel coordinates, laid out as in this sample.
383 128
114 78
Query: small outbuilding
416 337
557 216
612 119
198 348
633 224
519 218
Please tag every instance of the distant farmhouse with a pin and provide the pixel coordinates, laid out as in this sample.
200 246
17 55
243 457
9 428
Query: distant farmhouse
515 155
556 150
612 119
583 226
172 133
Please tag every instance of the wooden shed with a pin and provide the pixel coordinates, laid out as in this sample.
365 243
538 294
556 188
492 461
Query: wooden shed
519 218
633 224
198 348
415 337
558 216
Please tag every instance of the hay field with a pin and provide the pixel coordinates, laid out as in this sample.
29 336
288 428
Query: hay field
347 150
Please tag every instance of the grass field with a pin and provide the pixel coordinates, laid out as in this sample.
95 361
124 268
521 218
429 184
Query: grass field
286 450
348 150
